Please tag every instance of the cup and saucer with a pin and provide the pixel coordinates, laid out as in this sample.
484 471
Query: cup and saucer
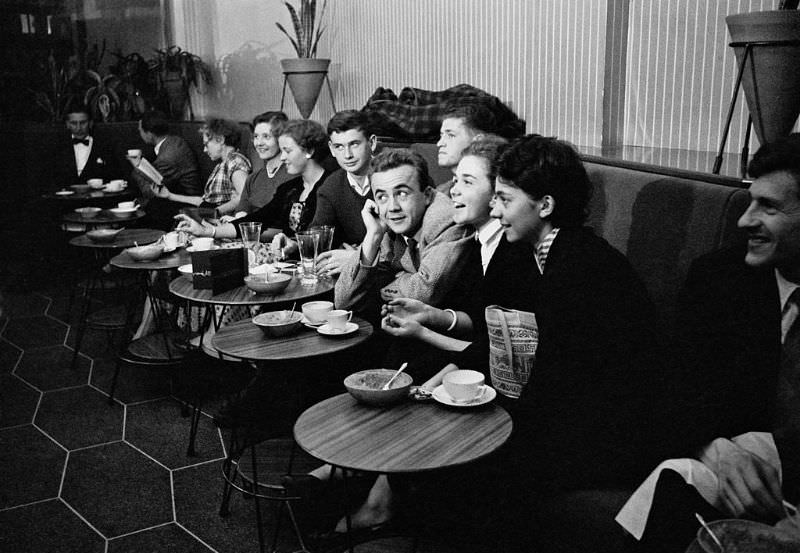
486 395
464 389
327 330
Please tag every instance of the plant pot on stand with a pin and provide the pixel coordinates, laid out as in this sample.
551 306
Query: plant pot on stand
305 77
767 47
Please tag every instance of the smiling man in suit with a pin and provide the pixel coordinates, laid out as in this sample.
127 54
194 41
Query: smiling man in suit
84 157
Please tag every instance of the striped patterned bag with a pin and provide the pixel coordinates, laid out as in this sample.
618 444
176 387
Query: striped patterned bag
513 338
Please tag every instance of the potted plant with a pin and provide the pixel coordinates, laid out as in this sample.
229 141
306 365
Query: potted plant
174 70
305 73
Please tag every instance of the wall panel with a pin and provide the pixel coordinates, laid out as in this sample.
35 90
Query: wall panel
681 73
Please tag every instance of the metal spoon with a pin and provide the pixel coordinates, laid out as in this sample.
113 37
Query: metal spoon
395 375
702 521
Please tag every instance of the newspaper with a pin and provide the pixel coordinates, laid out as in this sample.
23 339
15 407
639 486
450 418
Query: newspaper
150 172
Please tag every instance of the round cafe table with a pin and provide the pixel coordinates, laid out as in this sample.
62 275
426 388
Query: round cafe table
125 239
405 438
244 340
92 197
104 218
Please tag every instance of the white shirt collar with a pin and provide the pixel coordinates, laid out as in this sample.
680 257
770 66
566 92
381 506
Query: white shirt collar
785 288
361 189
157 147
488 236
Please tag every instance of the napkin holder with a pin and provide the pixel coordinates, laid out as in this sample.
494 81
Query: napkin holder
219 270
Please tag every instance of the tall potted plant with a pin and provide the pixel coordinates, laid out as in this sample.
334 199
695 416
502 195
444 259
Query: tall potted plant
174 70
305 73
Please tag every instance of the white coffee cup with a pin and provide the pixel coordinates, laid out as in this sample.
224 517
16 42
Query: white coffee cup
338 319
464 385
203 244
171 240
134 153
126 205
317 311
112 187
95 182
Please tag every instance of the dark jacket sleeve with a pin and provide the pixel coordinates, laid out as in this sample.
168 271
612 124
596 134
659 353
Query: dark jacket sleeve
178 167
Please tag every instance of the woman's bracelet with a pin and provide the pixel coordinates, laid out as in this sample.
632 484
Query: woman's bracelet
455 319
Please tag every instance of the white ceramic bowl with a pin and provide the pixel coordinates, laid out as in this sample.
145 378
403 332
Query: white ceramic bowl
146 253
278 323
266 283
122 213
88 212
103 235
366 386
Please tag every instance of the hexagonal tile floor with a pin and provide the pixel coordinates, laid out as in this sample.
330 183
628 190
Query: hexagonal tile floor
82 475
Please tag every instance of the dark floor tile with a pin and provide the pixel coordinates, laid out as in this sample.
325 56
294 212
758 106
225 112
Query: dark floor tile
134 383
79 417
117 489
9 355
17 401
50 368
158 429
32 466
198 492
97 342
169 538
48 526
24 305
35 332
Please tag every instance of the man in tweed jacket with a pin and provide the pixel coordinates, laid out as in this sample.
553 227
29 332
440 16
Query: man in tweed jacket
412 248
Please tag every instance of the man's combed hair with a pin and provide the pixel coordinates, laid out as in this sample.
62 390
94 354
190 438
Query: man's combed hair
155 122
309 135
780 155
350 119
485 115
392 158
224 128
275 119
545 166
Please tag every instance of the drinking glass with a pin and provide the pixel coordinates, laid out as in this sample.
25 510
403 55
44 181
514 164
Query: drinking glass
325 237
251 239
308 243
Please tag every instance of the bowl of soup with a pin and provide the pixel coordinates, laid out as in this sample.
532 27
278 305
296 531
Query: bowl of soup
367 387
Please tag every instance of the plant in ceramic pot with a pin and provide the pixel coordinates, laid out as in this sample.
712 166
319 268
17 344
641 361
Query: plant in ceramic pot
305 73
174 70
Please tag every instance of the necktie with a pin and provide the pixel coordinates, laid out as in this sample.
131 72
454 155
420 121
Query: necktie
413 252
84 141
787 423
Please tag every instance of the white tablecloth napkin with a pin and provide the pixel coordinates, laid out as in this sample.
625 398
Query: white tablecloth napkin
698 473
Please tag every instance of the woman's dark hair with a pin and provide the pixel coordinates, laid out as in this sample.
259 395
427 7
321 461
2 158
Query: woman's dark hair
310 136
392 158
275 119
781 155
224 128
488 147
545 166
155 122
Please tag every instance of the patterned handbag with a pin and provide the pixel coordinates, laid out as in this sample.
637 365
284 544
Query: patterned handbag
513 338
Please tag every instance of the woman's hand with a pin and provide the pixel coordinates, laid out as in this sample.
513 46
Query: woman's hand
408 309
187 224
160 191
401 328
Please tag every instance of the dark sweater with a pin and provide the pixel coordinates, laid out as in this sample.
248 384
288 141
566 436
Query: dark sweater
339 206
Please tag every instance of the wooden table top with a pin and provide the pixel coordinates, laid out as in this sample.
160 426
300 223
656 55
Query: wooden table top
242 295
244 340
103 218
125 239
408 437
171 260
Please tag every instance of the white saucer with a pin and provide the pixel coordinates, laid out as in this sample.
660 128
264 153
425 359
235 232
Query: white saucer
65 193
191 249
440 395
328 331
186 269
309 324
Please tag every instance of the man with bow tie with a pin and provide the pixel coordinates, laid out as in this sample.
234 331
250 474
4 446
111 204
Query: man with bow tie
84 157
